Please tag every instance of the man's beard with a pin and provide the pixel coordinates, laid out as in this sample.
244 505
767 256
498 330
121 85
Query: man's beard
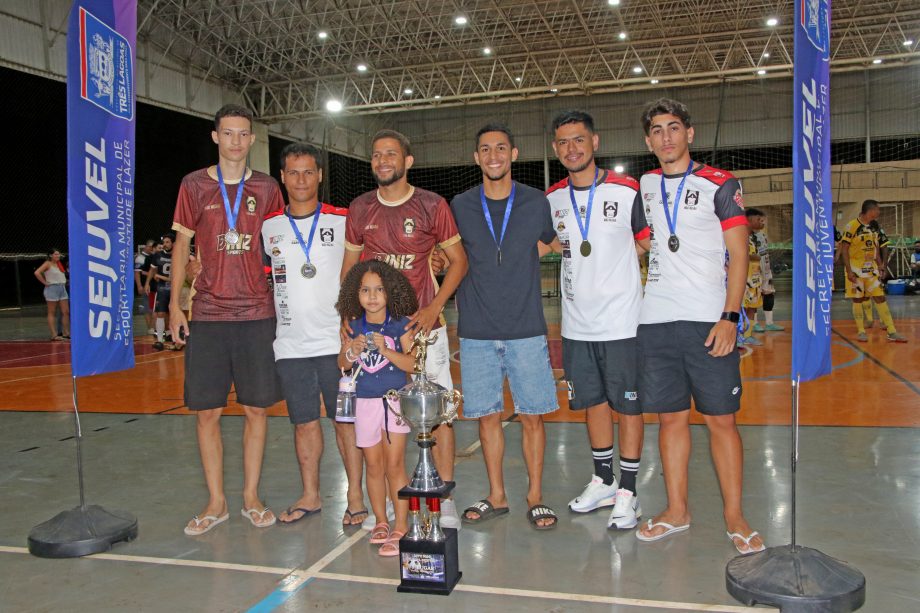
582 166
498 177
397 175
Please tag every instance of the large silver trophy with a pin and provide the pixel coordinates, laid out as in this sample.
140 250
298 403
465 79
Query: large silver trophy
424 405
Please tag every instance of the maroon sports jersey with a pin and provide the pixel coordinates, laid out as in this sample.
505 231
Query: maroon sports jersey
402 235
232 284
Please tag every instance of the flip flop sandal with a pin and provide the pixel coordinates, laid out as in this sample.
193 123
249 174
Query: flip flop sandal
213 522
669 530
351 515
261 522
486 511
390 548
541 511
747 541
305 513
380 534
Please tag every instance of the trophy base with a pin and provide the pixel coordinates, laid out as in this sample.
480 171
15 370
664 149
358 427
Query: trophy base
441 492
429 568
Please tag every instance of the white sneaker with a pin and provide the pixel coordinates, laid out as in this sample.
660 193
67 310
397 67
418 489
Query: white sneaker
595 496
370 521
626 512
449 516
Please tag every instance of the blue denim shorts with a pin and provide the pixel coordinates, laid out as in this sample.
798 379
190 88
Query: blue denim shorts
56 292
525 361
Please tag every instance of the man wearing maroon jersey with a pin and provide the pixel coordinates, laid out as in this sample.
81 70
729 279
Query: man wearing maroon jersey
230 337
401 224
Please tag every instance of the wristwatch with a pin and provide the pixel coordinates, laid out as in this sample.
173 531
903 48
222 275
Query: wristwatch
732 316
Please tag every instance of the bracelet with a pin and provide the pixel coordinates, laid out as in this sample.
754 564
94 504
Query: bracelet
732 316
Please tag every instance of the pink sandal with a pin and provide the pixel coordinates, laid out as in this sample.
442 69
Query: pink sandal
391 547
380 533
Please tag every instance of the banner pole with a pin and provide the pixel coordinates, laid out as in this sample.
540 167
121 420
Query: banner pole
79 438
796 383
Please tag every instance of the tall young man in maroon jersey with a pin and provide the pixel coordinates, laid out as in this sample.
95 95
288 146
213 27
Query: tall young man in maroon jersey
230 337
401 225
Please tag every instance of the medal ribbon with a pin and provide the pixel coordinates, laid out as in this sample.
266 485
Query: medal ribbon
583 226
305 247
488 216
231 215
672 221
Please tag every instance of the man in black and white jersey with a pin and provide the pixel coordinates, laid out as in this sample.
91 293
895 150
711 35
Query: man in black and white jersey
687 326
599 217
160 272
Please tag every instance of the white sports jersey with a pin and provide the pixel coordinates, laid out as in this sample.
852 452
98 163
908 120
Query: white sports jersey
601 293
689 284
308 325
766 272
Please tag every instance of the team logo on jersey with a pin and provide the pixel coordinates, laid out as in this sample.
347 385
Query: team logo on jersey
399 261
276 252
739 200
648 196
560 213
326 235
409 226
582 209
212 206
251 204
610 210
560 226
692 199
274 240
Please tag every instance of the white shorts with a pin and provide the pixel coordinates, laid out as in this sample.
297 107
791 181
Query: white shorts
437 365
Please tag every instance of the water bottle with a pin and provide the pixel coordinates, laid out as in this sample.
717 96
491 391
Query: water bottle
346 400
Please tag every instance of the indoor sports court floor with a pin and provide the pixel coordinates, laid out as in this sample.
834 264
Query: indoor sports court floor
858 500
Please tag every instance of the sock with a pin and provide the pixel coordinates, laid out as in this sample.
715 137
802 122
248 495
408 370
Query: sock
884 315
768 317
161 328
867 310
603 464
628 469
755 317
859 317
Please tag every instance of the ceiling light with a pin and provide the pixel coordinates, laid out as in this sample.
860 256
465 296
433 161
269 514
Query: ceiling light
517 79
618 168
908 42
322 34
487 51
362 67
654 81
407 91
766 54
461 20
637 69
554 90
613 2
876 61
761 72
333 106
772 21
622 36
437 96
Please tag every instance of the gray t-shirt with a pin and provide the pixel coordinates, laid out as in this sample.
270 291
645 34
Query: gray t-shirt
502 301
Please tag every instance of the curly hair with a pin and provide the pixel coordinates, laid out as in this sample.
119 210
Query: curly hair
401 300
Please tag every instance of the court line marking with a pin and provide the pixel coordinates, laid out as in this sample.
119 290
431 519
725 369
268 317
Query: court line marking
302 577
875 360
67 372
788 376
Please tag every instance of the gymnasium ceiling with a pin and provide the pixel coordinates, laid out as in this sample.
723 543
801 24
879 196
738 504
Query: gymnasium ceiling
290 57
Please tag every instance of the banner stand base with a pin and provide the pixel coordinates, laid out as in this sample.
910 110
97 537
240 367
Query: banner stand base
795 579
81 531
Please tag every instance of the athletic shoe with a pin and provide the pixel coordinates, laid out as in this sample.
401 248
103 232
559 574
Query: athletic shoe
759 328
151 332
894 337
596 495
449 517
158 346
774 328
370 521
862 337
626 512
752 341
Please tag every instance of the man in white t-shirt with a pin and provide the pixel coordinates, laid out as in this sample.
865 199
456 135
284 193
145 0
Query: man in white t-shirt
304 246
598 217
688 322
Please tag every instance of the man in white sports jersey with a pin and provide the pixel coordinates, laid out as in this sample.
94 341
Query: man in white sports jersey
304 246
687 325
598 217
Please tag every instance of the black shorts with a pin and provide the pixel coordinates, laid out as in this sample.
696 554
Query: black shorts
304 381
162 300
675 366
225 353
601 371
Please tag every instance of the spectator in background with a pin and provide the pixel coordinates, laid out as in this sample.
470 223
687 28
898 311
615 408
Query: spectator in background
53 275
141 266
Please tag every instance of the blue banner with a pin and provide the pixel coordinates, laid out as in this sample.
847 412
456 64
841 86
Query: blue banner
813 240
100 183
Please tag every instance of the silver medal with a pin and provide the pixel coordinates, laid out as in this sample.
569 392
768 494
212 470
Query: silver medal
232 236
308 270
